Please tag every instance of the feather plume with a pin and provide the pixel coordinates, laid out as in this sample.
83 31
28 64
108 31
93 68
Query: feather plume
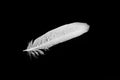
55 36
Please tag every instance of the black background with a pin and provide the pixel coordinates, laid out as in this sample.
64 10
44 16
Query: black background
111 77
24 21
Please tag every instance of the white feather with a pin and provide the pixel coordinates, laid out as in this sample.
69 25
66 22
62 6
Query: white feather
55 36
